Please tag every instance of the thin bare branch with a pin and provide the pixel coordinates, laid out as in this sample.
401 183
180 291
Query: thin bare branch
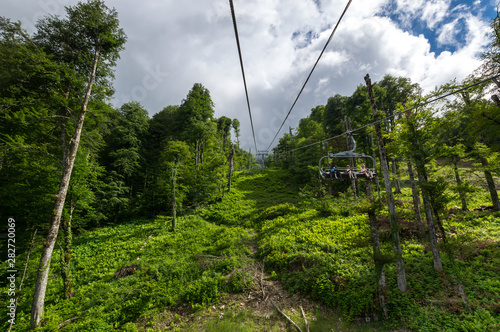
288 318
305 318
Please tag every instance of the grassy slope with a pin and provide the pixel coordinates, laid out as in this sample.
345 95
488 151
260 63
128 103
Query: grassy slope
187 280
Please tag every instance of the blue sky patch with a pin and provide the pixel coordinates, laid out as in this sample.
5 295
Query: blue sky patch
416 23
303 39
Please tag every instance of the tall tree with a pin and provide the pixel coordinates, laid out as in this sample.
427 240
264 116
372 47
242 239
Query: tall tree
89 40
401 273
334 114
395 91
28 131
224 129
79 204
418 138
312 126
195 117
236 127
481 129
450 137
173 156
162 128
125 143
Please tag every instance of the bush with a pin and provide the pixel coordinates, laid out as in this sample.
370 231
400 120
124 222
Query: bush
239 282
204 291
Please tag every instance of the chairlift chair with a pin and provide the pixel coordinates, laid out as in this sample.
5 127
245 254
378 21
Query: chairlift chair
326 173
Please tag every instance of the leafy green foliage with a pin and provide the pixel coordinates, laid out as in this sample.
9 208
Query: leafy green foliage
320 249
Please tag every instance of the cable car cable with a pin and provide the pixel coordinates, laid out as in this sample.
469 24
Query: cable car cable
242 70
312 70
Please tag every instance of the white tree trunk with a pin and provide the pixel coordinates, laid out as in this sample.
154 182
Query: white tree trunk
416 201
43 269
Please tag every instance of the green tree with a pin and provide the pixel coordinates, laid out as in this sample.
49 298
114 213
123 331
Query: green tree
236 127
224 130
450 137
312 126
162 127
395 91
29 158
125 143
173 156
417 134
481 129
195 118
334 112
401 272
86 44
79 206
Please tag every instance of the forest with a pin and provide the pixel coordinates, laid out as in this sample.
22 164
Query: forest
117 221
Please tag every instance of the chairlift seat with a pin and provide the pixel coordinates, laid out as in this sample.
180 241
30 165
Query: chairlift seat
341 171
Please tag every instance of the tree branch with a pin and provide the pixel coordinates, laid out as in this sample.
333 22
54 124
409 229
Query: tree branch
288 318
305 319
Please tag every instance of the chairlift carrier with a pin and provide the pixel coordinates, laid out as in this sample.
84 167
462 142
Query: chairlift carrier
325 171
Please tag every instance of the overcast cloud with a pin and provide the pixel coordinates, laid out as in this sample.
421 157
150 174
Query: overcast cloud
173 44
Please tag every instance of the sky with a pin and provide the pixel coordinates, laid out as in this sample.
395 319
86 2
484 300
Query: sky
174 44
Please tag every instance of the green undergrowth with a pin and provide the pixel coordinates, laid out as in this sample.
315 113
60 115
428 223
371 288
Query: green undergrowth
252 193
194 266
318 247
322 249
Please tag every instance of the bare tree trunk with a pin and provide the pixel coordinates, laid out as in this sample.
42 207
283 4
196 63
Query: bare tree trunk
395 174
231 167
454 267
202 150
197 155
66 252
43 269
459 184
382 289
416 201
422 177
374 155
249 157
491 185
328 163
173 199
347 129
400 268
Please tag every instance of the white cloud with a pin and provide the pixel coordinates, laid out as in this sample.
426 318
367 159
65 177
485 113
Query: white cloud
447 34
431 12
434 11
174 44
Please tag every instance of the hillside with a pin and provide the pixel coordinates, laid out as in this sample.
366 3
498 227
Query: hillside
269 244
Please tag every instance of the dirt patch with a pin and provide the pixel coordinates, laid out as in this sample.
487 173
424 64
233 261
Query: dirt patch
408 227
461 163
256 301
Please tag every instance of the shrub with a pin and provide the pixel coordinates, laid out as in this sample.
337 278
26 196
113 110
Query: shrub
204 291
